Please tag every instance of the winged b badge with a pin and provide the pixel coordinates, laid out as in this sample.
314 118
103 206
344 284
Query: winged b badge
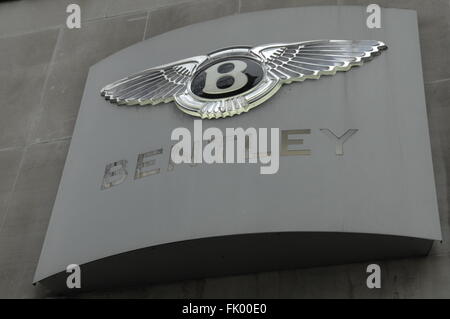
236 79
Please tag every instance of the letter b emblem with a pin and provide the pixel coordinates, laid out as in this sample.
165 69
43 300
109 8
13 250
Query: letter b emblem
226 78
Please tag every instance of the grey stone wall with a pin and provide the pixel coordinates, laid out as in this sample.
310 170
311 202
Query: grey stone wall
43 67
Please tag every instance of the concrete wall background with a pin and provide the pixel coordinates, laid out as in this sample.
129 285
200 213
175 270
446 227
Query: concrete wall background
43 67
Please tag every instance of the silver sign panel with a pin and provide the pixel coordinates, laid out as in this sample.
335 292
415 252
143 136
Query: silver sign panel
355 181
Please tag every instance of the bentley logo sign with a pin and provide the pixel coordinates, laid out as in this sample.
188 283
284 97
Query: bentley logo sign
234 80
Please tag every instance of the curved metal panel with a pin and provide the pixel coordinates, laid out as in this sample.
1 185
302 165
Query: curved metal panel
381 184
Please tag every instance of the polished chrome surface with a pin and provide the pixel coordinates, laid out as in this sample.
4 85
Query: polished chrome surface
281 63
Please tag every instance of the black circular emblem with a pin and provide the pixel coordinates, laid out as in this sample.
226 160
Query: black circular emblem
227 77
